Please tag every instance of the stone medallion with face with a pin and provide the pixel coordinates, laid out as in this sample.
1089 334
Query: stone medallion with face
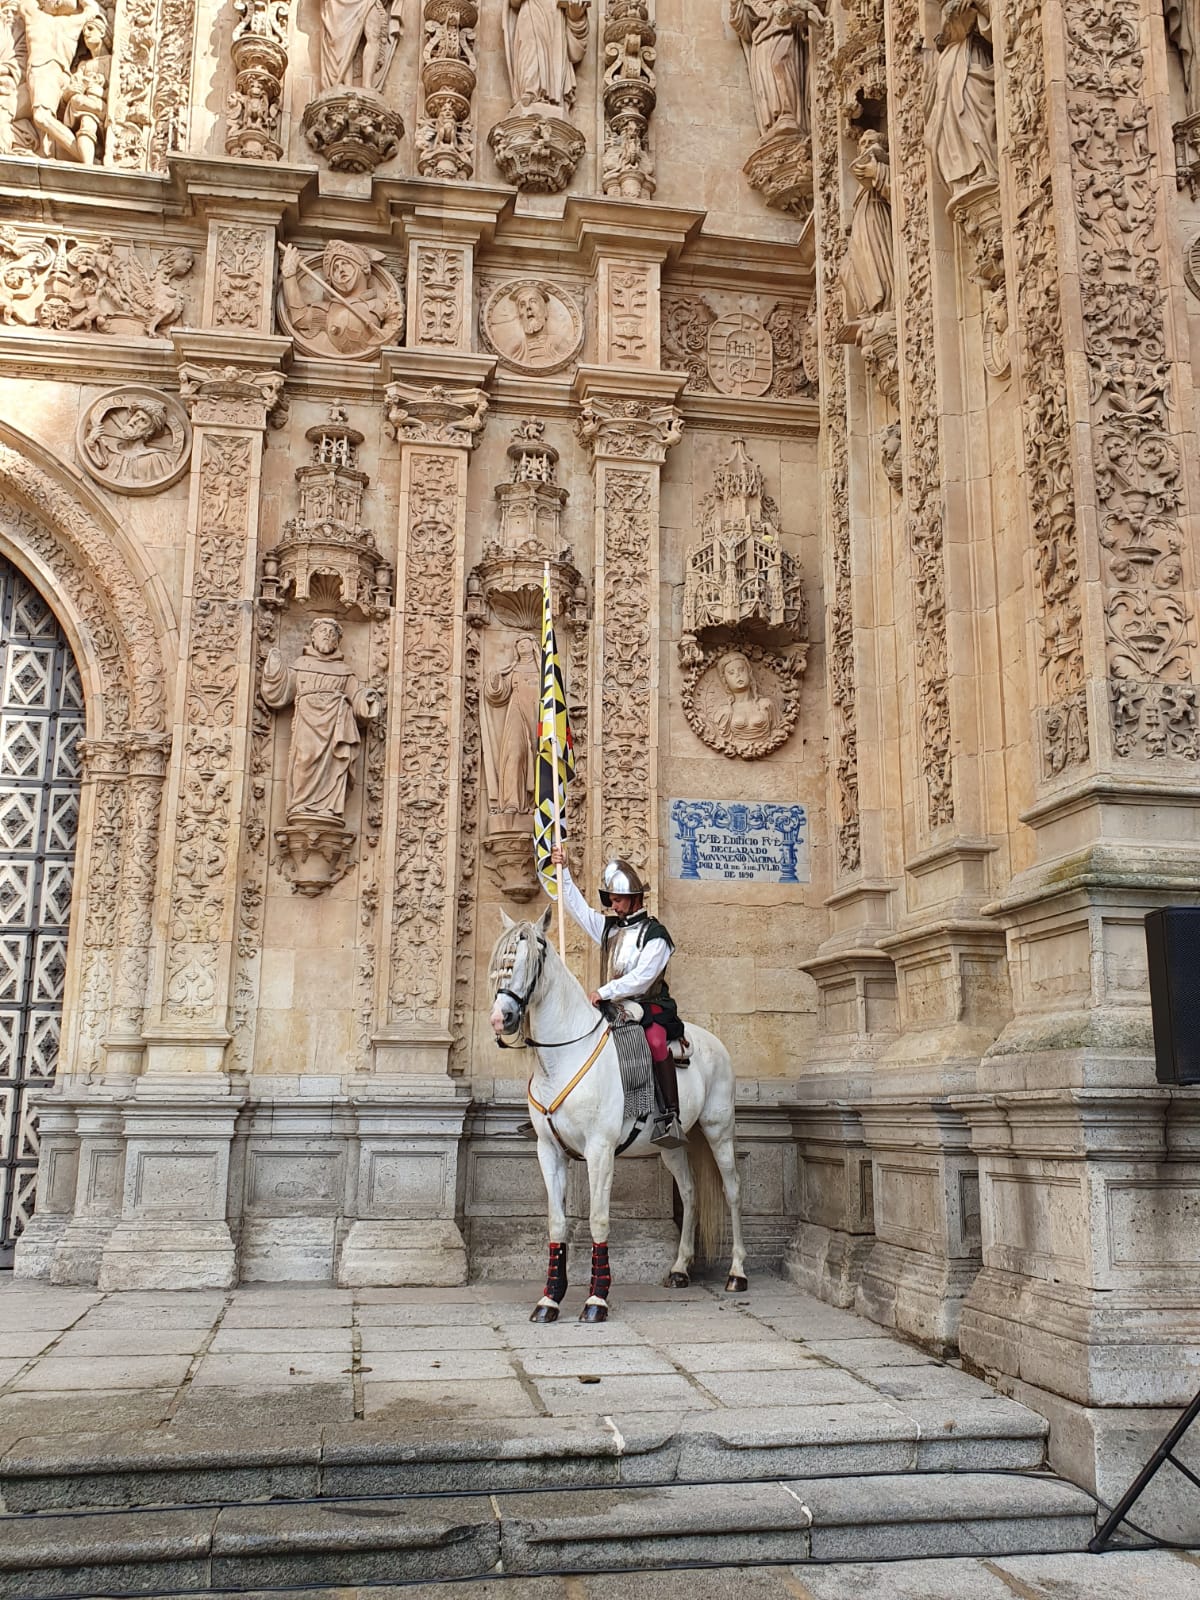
532 325
135 440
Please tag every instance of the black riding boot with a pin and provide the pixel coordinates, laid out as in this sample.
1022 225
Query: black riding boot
668 1133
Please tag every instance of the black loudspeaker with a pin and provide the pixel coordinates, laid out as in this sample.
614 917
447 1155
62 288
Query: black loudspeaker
1173 953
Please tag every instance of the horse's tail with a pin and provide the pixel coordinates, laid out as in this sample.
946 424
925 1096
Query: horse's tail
710 1196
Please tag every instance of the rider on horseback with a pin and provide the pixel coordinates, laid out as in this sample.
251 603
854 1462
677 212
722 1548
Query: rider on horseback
634 951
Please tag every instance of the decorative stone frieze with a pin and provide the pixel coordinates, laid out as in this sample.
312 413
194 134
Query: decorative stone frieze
70 284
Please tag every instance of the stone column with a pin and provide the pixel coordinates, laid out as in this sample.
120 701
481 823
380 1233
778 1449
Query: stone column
410 1110
180 1119
1080 1152
628 422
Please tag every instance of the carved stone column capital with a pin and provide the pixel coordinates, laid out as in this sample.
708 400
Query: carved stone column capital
433 414
103 758
148 754
629 430
231 396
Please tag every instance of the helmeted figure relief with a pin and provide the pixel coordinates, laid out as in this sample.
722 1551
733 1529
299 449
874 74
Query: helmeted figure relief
358 40
510 735
347 306
960 109
772 35
544 41
869 272
328 706
748 715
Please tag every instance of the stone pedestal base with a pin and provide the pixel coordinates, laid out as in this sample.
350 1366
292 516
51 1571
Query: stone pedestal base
538 154
354 129
39 1245
917 1294
1103 1449
828 1262
385 1255
781 169
183 1254
81 1250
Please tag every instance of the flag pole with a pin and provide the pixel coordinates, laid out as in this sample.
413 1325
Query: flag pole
562 926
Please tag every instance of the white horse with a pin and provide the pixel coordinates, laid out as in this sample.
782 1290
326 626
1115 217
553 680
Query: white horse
577 1103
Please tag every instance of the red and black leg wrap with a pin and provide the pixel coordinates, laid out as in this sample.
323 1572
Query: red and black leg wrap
556 1276
601 1273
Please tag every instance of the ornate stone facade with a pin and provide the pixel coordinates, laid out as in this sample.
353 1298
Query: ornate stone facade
836 359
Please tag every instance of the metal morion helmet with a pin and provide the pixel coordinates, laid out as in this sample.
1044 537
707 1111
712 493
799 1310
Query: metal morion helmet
619 877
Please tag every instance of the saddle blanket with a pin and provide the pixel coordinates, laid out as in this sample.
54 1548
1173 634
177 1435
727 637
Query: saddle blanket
637 1070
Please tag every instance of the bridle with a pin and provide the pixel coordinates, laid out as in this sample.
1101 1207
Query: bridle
522 1004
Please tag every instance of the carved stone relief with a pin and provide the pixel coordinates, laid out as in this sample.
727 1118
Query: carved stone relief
325 553
339 302
535 147
736 351
135 440
54 87
445 137
630 40
742 593
68 284
745 701
260 57
960 128
923 475
440 288
1138 469
1046 425
860 65
532 325
774 37
239 292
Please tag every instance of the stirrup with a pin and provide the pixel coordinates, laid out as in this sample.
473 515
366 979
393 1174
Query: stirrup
668 1135
680 1051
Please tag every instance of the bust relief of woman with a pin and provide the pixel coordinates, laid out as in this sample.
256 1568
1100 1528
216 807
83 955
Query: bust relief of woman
747 716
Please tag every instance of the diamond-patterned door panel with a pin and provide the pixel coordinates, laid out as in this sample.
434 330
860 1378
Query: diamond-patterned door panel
41 724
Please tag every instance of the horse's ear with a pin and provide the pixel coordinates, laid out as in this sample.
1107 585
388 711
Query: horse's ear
506 921
547 919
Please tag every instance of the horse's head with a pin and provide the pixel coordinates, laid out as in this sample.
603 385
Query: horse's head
514 971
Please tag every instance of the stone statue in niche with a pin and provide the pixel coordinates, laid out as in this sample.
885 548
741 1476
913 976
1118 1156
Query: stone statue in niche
1182 20
341 302
544 41
869 272
134 440
358 41
328 705
771 32
510 737
960 113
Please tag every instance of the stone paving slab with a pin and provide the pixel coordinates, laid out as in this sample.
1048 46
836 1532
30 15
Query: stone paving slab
744 1373
1119 1576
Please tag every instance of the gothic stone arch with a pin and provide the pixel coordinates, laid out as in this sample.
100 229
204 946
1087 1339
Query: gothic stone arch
98 588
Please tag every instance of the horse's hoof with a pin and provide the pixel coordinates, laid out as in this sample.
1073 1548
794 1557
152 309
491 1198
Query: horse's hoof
736 1285
677 1280
594 1314
544 1314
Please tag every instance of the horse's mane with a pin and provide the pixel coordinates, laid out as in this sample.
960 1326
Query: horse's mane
500 962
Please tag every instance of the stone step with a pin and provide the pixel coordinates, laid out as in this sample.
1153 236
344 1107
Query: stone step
405 1540
190 1467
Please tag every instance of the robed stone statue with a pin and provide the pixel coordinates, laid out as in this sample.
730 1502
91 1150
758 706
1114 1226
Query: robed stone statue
774 37
510 736
329 704
544 41
960 118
